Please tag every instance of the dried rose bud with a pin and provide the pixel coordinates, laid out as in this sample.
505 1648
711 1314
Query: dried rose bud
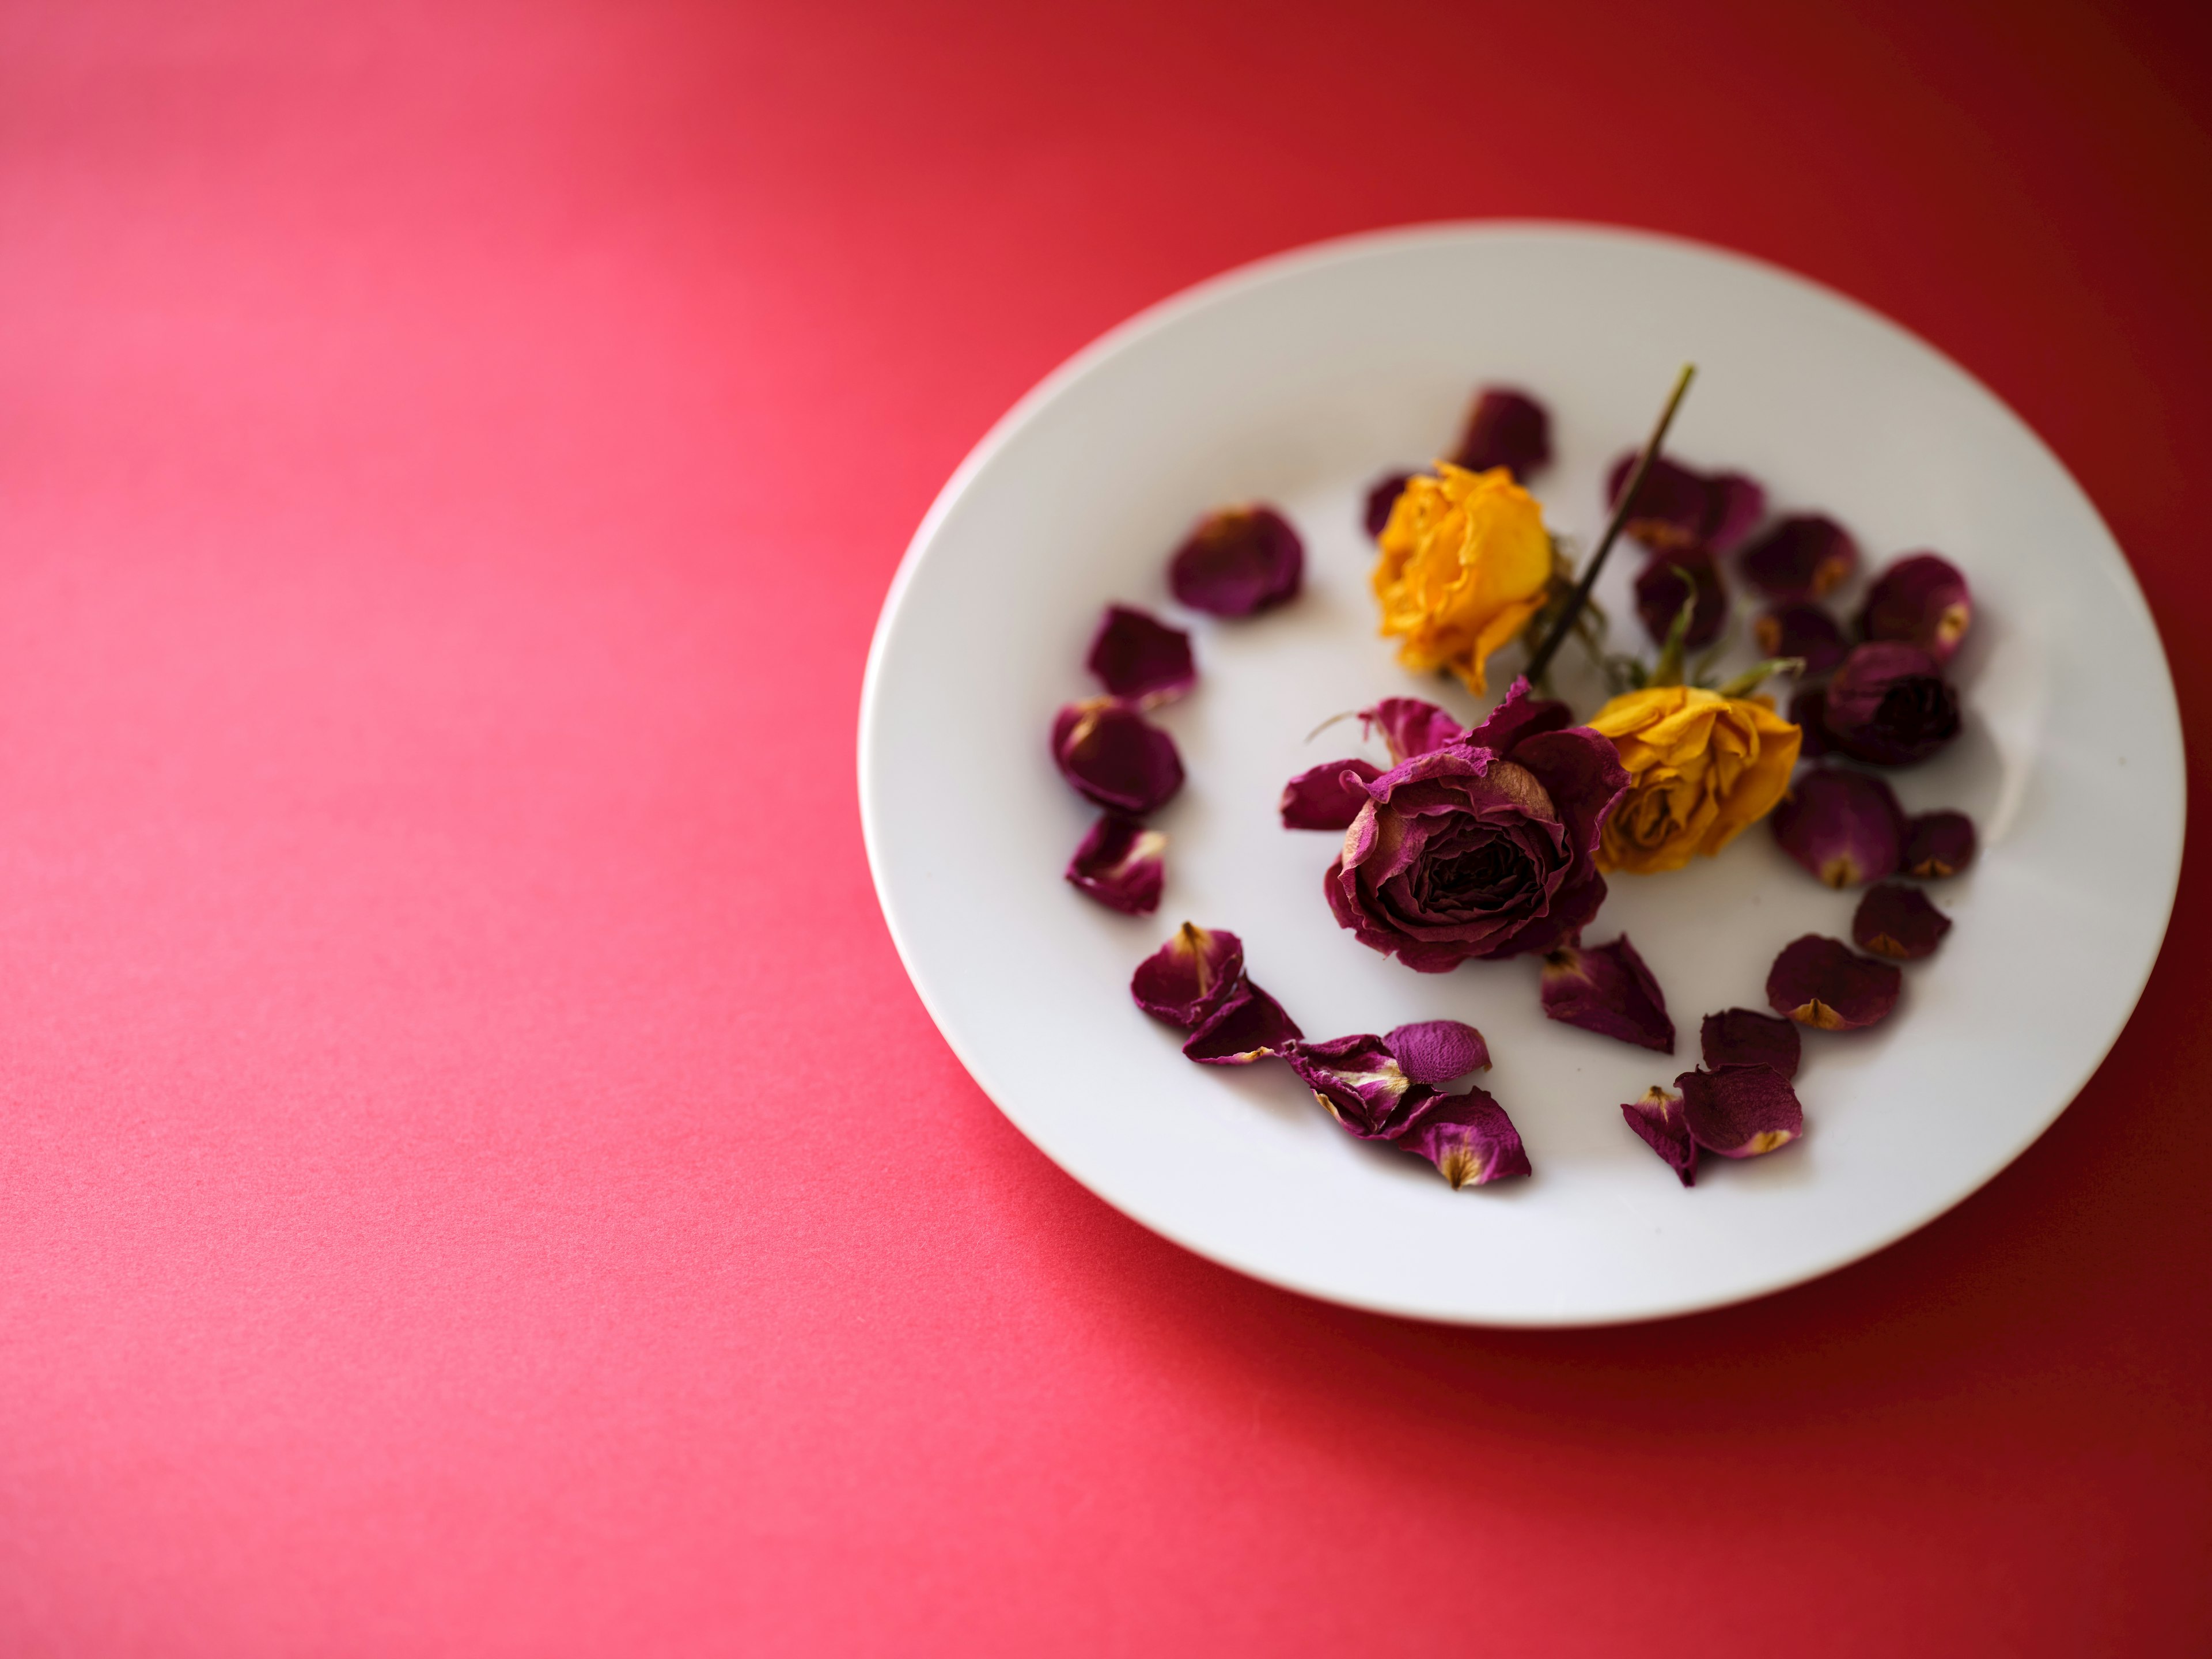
1741 1037
1658 1119
1438 1050
1844 826
1678 510
1662 589
1238 562
1328 797
1741 1111
1804 631
1921 600
1607 988
1250 1026
1468 1137
1801 558
1890 705
1506 429
1410 726
1186 980
1120 864
1381 498
1938 844
1808 712
1898 921
1138 656
1115 756
1823 983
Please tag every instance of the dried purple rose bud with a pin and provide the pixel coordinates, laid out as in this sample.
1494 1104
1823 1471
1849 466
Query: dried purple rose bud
1328 797
1115 756
1678 510
1438 1050
1658 1119
1238 562
1822 983
1921 600
1743 1037
1250 1026
1410 726
1890 705
1741 1111
1808 713
1468 1138
1669 578
1138 656
1186 980
1938 844
1120 864
1506 429
1804 631
1801 558
1606 988
1898 921
1381 499
1846 827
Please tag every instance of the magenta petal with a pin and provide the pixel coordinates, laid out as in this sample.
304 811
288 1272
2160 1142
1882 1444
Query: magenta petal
1890 705
1410 726
1520 715
1741 1111
1743 1037
1658 1120
1679 509
1662 588
1844 827
1186 980
1823 983
1898 921
1468 1137
1438 1050
1238 562
1938 844
1329 796
1140 657
1250 1026
1804 631
1506 429
1799 558
1808 713
1606 988
1359 1081
1115 756
1921 600
1381 498
1119 864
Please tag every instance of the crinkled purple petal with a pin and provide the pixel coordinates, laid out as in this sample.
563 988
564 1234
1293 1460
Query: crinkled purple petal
1921 600
1238 562
1358 1079
1806 631
1410 726
1438 1050
1506 429
1938 844
1186 980
1120 864
1669 578
1250 1026
1329 797
1844 827
1520 714
1808 712
1139 657
1679 509
1743 1037
1898 921
1381 498
1824 983
1606 988
1741 1111
1658 1121
1799 558
1468 1137
1115 756
1890 705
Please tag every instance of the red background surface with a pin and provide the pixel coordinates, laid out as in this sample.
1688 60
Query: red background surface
474 1179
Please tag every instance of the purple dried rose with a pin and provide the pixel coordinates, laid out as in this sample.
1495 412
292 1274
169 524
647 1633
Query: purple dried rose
1238 562
1921 600
1438 1050
1139 657
1119 864
1898 921
1381 498
1250 1026
1658 1121
1801 558
1938 844
1382 1088
1808 713
1186 980
1804 631
1890 705
1506 429
1483 847
1823 983
1846 827
1743 1037
1115 756
1741 1111
1606 988
1668 580
1678 510
1328 797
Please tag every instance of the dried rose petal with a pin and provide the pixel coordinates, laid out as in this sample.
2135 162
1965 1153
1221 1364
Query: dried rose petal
1660 589
1921 600
1115 756
1119 864
1137 656
1359 1079
1328 797
1411 726
1657 1118
1743 1037
1741 1111
1238 562
1607 988
1823 983
1805 631
1438 1050
1890 705
1518 718
1186 980
1846 827
1506 429
1250 1026
1801 558
1898 921
1678 510
1381 498
1938 844
1808 713
1468 1137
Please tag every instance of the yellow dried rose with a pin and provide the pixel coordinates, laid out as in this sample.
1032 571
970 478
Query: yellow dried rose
1465 564
1701 768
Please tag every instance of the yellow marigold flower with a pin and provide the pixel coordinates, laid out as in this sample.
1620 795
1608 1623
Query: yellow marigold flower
1465 564
1701 768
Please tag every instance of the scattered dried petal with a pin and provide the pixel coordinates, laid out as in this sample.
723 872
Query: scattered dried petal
1137 656
1921 600
1808 713
1238 562
1801 558
1938 844
1823 983
1359 1080
1250 1026
1680 510
1328 797
1743 1037
1411 726
1658 1119
1844 826
1606 988
1890 705
1438 1050
1662 588
1741 1111
1898 921
1186 980
1506 429
1468 1138
1381 499
1115 756
1804 631
1120 864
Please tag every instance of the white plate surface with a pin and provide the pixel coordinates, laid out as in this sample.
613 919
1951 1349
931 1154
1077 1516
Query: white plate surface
1297 382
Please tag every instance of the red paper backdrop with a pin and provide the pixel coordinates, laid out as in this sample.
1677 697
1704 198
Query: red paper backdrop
474 1179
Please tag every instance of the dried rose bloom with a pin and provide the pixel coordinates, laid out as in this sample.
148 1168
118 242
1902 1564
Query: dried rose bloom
1801 558
1461 566
1120 864
1658 1119
1438 1050
1921 600
1678 510
1669 578
1743 1037
1804 631
1890 705
1823 983
1139 657
1844 826
1468 1138
1898 921
1115 756
1701 768
1741 1111
1808 713
1505 428
1250 1026
1606 988
1238 562
1381 498
1186 980
1328 797
1938 844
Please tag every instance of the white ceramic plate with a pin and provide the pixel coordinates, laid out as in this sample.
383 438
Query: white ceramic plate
1297 382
